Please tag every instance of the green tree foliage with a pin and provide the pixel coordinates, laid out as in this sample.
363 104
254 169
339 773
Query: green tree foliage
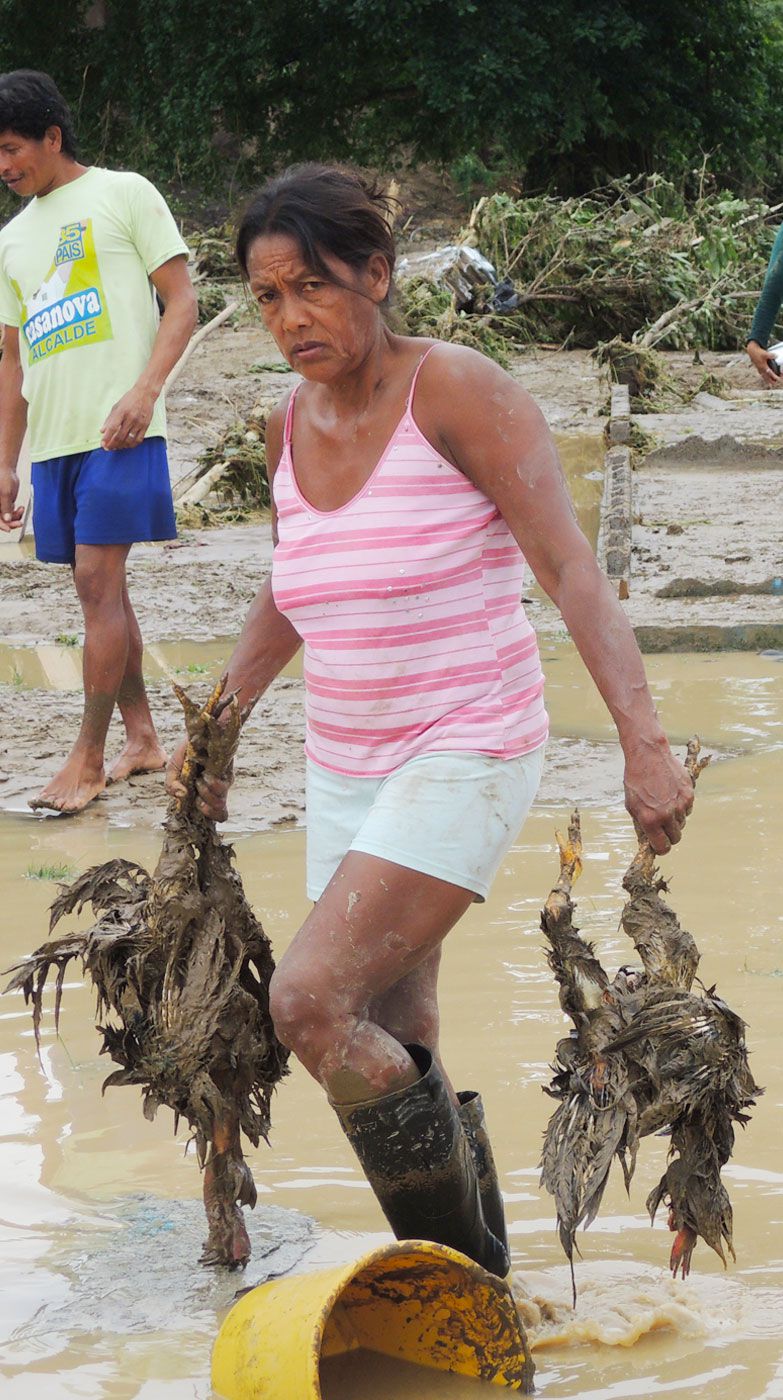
559 93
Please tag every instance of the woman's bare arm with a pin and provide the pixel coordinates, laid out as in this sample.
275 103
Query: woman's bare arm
490 427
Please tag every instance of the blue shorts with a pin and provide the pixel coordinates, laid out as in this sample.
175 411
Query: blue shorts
101 497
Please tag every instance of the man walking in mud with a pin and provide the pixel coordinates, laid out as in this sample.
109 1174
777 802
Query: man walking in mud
83 368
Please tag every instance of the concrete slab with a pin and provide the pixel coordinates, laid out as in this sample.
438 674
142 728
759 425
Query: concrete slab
721 527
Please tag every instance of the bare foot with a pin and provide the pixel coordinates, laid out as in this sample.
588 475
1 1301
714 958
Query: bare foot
137 757
72 789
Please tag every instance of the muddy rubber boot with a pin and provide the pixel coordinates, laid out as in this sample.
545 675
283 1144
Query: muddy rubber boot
418 1161
474 1123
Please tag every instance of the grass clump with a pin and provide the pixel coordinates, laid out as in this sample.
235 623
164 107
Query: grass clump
642 442
211 301
50 872
241 487
651 388
213 253
715 384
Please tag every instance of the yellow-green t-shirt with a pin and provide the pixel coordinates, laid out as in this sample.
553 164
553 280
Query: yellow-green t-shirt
74 278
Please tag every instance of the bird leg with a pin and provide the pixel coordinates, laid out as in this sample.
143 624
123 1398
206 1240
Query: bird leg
582 981
697 1199
683 1247
211 745
570 847
228 1185
668 952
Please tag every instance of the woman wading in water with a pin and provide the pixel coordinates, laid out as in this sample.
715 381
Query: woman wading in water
411 480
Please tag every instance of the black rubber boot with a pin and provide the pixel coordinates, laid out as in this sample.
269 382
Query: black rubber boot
474 1123
418 1162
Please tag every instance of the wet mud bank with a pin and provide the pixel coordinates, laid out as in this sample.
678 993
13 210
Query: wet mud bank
731 701
268 791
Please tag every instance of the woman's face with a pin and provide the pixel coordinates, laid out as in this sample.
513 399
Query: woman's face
324 329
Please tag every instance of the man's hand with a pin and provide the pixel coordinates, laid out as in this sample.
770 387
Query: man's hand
658 794
10 513
129 419
760 359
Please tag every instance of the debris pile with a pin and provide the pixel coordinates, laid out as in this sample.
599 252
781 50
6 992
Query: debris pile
633 259
230 477
234 467
428 310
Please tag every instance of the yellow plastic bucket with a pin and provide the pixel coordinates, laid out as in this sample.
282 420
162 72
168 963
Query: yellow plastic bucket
412 1300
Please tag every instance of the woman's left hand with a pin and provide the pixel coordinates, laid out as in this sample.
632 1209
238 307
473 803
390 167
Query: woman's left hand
658 794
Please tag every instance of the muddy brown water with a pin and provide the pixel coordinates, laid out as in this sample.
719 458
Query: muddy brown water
364 1374
80 1318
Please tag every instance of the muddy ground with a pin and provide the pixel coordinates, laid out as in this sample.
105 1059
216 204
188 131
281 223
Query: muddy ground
200 588
268 792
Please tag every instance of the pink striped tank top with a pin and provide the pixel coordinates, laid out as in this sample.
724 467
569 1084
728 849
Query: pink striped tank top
408 600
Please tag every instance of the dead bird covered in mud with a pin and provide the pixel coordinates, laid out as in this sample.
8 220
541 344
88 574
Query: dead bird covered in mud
182 968
650 1053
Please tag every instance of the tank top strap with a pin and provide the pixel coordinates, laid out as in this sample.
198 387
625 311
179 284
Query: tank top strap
414 380
289 418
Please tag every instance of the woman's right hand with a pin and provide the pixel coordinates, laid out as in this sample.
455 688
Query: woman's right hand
760 359
212 792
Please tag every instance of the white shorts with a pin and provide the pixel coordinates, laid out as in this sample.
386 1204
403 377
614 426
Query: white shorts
451 815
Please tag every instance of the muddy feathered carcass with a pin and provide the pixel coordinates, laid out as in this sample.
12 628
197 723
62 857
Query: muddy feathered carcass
652 1051
181 967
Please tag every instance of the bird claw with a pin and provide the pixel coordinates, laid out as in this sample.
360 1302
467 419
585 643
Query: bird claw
212 741
191 709
570 847
682 1250
227 1245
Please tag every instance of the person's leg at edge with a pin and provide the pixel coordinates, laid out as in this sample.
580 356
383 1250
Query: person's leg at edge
142 751
99 576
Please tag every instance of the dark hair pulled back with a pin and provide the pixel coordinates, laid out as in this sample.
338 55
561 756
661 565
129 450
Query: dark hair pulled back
30 103
327 209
